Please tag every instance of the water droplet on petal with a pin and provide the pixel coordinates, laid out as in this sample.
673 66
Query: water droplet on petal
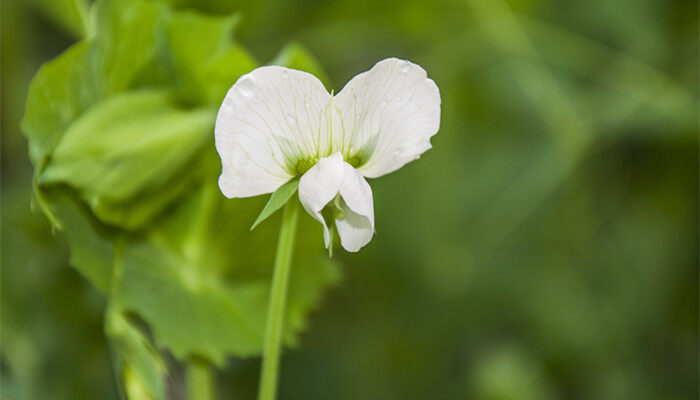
245 86
398 98
383 103
405 67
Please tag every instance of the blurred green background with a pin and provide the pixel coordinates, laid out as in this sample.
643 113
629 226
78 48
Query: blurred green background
545 248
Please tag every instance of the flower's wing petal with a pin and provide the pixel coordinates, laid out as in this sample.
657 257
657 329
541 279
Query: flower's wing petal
388 115
356 228
271 119
319 185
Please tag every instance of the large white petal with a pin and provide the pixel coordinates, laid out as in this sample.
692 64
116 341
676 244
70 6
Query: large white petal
356 228
319 185
269 125
388 115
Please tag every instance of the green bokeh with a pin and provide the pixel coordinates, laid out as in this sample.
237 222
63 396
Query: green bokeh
545 248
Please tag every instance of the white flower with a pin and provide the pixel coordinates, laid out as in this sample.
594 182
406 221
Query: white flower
278 123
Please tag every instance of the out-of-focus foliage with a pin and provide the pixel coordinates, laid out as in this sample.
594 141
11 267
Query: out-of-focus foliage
71 15
545 248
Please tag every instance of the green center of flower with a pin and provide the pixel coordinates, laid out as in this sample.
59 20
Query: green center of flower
299 166
299 159
333 210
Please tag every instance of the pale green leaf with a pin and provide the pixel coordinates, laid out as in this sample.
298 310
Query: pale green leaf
66 86
121 55
277 200
127 145
59 91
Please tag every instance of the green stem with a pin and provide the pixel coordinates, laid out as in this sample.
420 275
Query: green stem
200 380
278 297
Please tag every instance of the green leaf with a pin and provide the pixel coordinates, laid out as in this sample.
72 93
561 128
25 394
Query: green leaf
59 91
139 211
205 58
125 41
71 15
68 85
201 280
132 143
277 200
113 148
122 54
140 365
90 243
295 56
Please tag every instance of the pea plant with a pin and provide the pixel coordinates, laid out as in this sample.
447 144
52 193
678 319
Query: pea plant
128 131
